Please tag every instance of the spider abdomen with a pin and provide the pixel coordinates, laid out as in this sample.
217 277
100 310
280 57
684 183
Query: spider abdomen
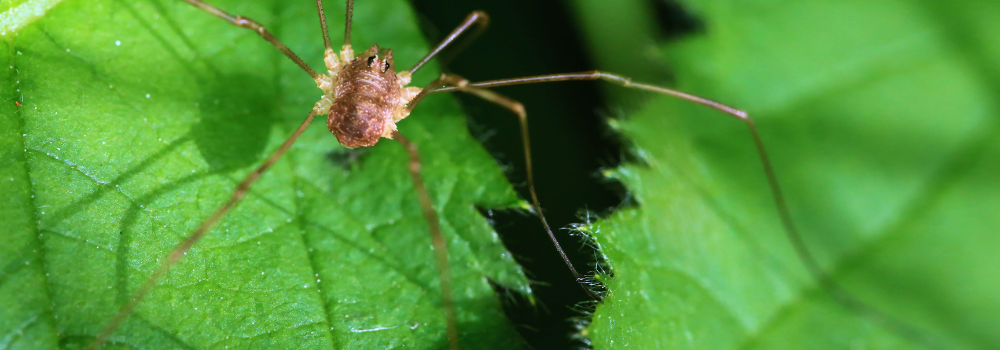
367 95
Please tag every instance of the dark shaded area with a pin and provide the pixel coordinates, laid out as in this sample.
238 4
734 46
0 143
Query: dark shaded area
673 21
246 133
569 140
347 157
570 143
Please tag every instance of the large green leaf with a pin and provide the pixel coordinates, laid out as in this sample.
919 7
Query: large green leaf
137 120
881 118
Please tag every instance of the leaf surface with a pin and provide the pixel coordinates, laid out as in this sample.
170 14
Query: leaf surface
138 119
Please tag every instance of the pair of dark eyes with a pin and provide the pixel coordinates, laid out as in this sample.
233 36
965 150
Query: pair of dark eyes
371 60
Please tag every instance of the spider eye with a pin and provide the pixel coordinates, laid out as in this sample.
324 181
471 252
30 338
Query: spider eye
386 67
371 60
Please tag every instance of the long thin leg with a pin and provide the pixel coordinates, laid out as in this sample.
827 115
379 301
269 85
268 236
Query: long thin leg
802 251
779 198
598 75
247 23
475 18
427 90
175 255
322 25
460 84
347 24
440 246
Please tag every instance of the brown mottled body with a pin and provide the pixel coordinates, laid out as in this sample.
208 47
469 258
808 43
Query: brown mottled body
367 97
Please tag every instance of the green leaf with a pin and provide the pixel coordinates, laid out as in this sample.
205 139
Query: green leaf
881 119
138 119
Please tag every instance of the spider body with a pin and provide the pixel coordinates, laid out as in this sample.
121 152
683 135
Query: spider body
364 95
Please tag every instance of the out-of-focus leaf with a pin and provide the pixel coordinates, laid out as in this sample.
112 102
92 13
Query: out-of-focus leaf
138 118
881 118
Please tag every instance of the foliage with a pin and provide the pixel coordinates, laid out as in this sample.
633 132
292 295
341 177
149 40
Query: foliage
137 120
